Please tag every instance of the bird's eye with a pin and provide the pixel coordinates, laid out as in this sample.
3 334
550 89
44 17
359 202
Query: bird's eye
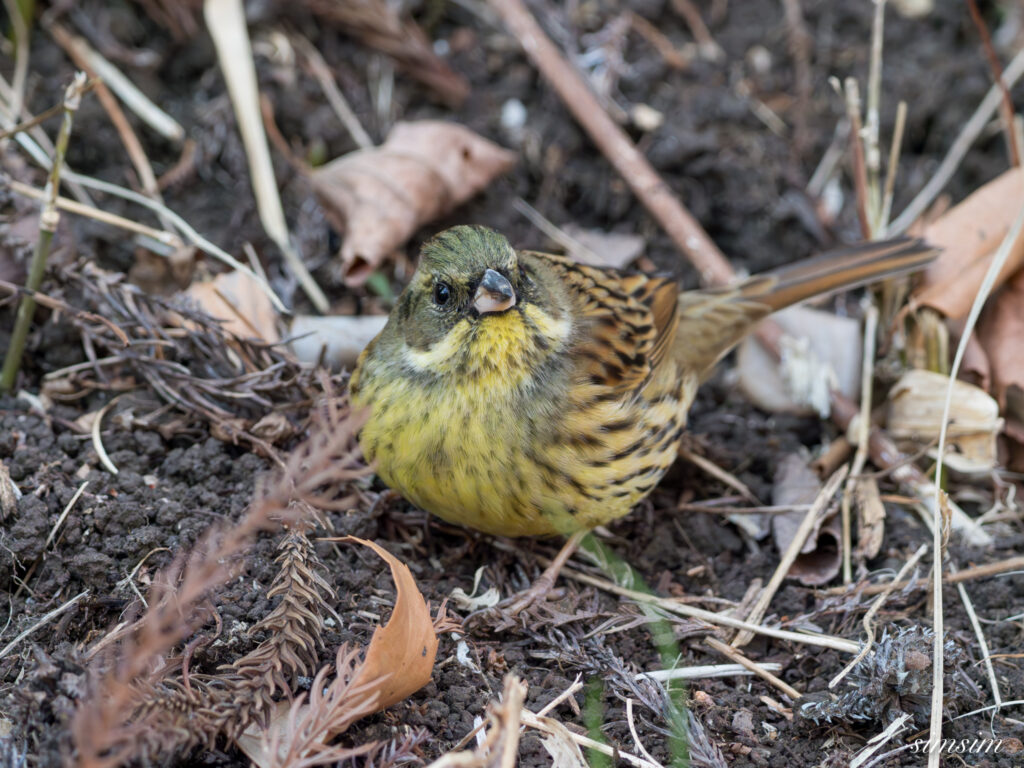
442 293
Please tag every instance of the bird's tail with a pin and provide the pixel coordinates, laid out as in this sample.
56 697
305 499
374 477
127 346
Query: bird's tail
838 270
712 321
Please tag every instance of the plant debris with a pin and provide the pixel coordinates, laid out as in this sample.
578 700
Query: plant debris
894 680
247 389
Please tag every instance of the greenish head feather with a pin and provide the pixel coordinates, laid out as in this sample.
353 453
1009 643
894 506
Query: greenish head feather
467 252
457 260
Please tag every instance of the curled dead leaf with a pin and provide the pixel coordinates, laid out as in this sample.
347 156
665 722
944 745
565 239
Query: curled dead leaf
819 560
401 654
916 405
1000 333
379 197
969 235
238 300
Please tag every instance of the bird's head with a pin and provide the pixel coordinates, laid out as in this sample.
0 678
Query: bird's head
475 303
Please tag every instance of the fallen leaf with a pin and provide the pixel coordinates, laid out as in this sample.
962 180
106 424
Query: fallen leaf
819 559
1001 332
238 301
916 405
337 340
833 347
401 653
604 249
379 197
969 235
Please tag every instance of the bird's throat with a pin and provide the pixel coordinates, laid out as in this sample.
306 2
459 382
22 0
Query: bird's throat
494 352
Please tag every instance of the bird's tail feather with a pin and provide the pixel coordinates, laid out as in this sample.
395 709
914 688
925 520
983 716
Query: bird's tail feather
712 321
838 270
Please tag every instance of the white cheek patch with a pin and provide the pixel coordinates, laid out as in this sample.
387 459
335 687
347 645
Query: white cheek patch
437 354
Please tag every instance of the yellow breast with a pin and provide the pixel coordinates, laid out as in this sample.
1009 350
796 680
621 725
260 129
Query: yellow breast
510 443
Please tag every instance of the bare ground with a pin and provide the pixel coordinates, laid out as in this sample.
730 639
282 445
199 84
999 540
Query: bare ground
742 181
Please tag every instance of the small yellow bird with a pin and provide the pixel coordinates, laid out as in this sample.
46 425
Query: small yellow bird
520 393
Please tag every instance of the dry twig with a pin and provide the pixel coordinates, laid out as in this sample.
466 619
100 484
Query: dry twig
1006 104
376 24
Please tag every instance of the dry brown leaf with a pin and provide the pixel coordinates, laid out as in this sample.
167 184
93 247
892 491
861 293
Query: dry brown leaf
1001 332
379 197
401 653
819 559
969 234
237 299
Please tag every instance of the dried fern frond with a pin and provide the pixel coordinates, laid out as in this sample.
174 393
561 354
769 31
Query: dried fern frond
130 693
293 631
895 679
247 391
331 709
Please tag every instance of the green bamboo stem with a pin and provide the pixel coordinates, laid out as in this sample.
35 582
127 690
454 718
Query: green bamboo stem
49 218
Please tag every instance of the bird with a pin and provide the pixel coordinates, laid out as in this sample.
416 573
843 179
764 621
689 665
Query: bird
520 393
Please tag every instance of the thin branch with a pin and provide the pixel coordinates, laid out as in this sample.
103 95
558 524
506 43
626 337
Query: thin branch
1006 103
966 574
634 168
968 135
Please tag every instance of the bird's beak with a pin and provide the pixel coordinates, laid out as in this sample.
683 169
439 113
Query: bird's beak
494 294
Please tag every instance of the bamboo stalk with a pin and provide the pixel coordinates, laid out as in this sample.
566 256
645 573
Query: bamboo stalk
49 218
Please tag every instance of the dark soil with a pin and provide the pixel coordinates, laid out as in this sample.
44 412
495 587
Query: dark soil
742 181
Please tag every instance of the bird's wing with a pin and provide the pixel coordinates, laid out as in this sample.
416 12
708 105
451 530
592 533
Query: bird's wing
626 323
